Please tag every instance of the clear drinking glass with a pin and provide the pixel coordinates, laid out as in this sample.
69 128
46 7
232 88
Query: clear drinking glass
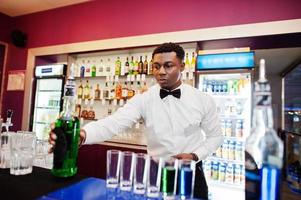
127 169
42 147
154 177
22 151
169 177
186 175
113 168
5 149
140 173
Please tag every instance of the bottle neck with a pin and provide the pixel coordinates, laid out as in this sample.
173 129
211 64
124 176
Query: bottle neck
69 100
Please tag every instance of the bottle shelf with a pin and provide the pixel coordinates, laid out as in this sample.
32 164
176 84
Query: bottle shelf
238 186
227 96
238 139
40 122
224 160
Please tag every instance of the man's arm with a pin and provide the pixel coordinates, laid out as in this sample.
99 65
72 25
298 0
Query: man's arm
122 119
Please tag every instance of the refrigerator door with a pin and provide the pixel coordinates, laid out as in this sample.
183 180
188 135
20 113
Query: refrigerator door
224 170
47 107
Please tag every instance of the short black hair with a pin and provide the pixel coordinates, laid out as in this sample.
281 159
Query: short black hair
170 47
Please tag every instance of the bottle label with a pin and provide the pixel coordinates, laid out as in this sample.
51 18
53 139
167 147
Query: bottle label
69 90
252 174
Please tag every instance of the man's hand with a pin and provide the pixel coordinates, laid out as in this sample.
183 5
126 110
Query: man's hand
53 137
186 156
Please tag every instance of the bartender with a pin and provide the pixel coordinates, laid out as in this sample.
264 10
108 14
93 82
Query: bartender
180 120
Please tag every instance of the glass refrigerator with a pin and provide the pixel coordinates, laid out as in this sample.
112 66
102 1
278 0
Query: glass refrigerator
227 78
49 83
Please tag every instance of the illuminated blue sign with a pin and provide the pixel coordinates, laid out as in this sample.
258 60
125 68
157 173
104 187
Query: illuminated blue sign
225 61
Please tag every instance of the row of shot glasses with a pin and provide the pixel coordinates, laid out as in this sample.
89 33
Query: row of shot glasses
153 177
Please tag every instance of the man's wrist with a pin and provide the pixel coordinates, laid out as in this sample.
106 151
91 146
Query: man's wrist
194 157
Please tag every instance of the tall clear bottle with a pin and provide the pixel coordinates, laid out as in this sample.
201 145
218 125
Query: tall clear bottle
264 149
67 129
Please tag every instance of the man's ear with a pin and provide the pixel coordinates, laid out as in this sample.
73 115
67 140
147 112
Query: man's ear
182 67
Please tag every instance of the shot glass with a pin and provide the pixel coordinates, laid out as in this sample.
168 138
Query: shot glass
186 175
113 168
127 169
154 177
22 151
140 173
169 178
5 149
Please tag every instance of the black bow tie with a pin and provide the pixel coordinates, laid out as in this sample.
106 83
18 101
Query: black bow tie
164 93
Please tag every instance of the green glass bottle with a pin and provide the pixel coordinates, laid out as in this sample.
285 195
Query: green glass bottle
67 129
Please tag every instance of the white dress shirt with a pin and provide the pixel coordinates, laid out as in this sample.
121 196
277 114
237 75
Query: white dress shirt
186 125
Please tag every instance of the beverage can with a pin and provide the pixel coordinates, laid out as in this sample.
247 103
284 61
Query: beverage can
228 128
229 173
237 174
225 149
215 166
208 170
238 151
231 150
222 172
239 128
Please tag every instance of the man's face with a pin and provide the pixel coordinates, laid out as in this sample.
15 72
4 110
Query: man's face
167 68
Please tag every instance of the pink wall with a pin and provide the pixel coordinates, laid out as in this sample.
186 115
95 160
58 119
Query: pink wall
109 19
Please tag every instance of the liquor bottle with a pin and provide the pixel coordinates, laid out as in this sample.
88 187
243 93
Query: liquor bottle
78 108
87 90
132 63
145 66
82 70
117 67
126 66
150 68
106 91
67 129
100 70
80 90
193 62
264 149
124 92
97 92
88 69
108 67
118 89
84 113
187 63
91 112
93 69
131 91
136 64
140 66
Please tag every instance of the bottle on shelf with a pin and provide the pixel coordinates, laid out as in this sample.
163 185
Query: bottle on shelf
84 113
97 93
187 63
82 69
106 91
108 67
145 66
118 67
136 66
87 90
193 62
126 66
91 112
132 66
88 69
80 90
93 69
131 91
78 108
264 149
67 129
150 67
140 66
100 68
118 89
124 92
